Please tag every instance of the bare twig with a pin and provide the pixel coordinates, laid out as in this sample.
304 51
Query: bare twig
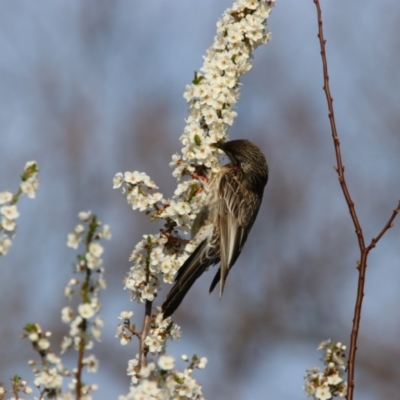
340 167
364 250
388 225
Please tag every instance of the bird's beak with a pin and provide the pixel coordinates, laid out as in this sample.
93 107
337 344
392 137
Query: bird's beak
220 146
217 145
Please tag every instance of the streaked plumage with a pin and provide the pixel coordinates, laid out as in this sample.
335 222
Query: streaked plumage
220 230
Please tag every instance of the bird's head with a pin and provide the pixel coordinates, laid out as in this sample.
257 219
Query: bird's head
246 157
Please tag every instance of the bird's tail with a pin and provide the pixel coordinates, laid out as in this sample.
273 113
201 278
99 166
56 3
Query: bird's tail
193 267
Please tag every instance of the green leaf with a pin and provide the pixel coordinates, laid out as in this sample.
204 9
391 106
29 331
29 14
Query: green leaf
30 328
197 78
197 140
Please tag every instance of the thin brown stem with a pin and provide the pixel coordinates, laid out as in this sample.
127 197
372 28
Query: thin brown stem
364 251
132 331
15 388
142 336
388 225
81 353
340 167
84 323
362 266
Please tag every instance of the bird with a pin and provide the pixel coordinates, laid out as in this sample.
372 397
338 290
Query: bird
220 229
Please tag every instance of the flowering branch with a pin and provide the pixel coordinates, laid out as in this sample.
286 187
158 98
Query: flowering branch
8 205
364 250
83 326
49 375
89 263
322 385
212 96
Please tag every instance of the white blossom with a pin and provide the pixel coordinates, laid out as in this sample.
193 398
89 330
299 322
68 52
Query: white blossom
66 315
166 362
118 180
10 212
66 344
29 164
30 187
202 363
52 358
8 224
93 261
328 383
43 344
155 343
125 315
96 249
73 240
106 232
79 229
50 379
5 244
84 215
92 363
33 336
5 197
323 393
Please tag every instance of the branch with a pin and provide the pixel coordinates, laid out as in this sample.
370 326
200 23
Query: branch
81 353
364 251
340 167
143 349
240 31
388 225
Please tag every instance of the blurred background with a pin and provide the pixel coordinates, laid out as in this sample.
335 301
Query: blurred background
90 88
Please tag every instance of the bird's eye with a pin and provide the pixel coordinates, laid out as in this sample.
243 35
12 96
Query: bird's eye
236 167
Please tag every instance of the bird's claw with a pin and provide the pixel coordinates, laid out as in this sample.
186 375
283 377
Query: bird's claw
173 239
200 173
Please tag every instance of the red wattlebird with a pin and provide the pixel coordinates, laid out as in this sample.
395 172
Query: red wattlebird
221 228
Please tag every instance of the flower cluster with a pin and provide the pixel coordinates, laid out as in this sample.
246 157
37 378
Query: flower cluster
323 385
49 376
161 381
156 257
19 387
160 331
8 207
215 89
92 258
137 187
84 323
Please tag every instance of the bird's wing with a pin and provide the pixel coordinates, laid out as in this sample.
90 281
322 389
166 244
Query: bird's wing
204 255
234 216
187 275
